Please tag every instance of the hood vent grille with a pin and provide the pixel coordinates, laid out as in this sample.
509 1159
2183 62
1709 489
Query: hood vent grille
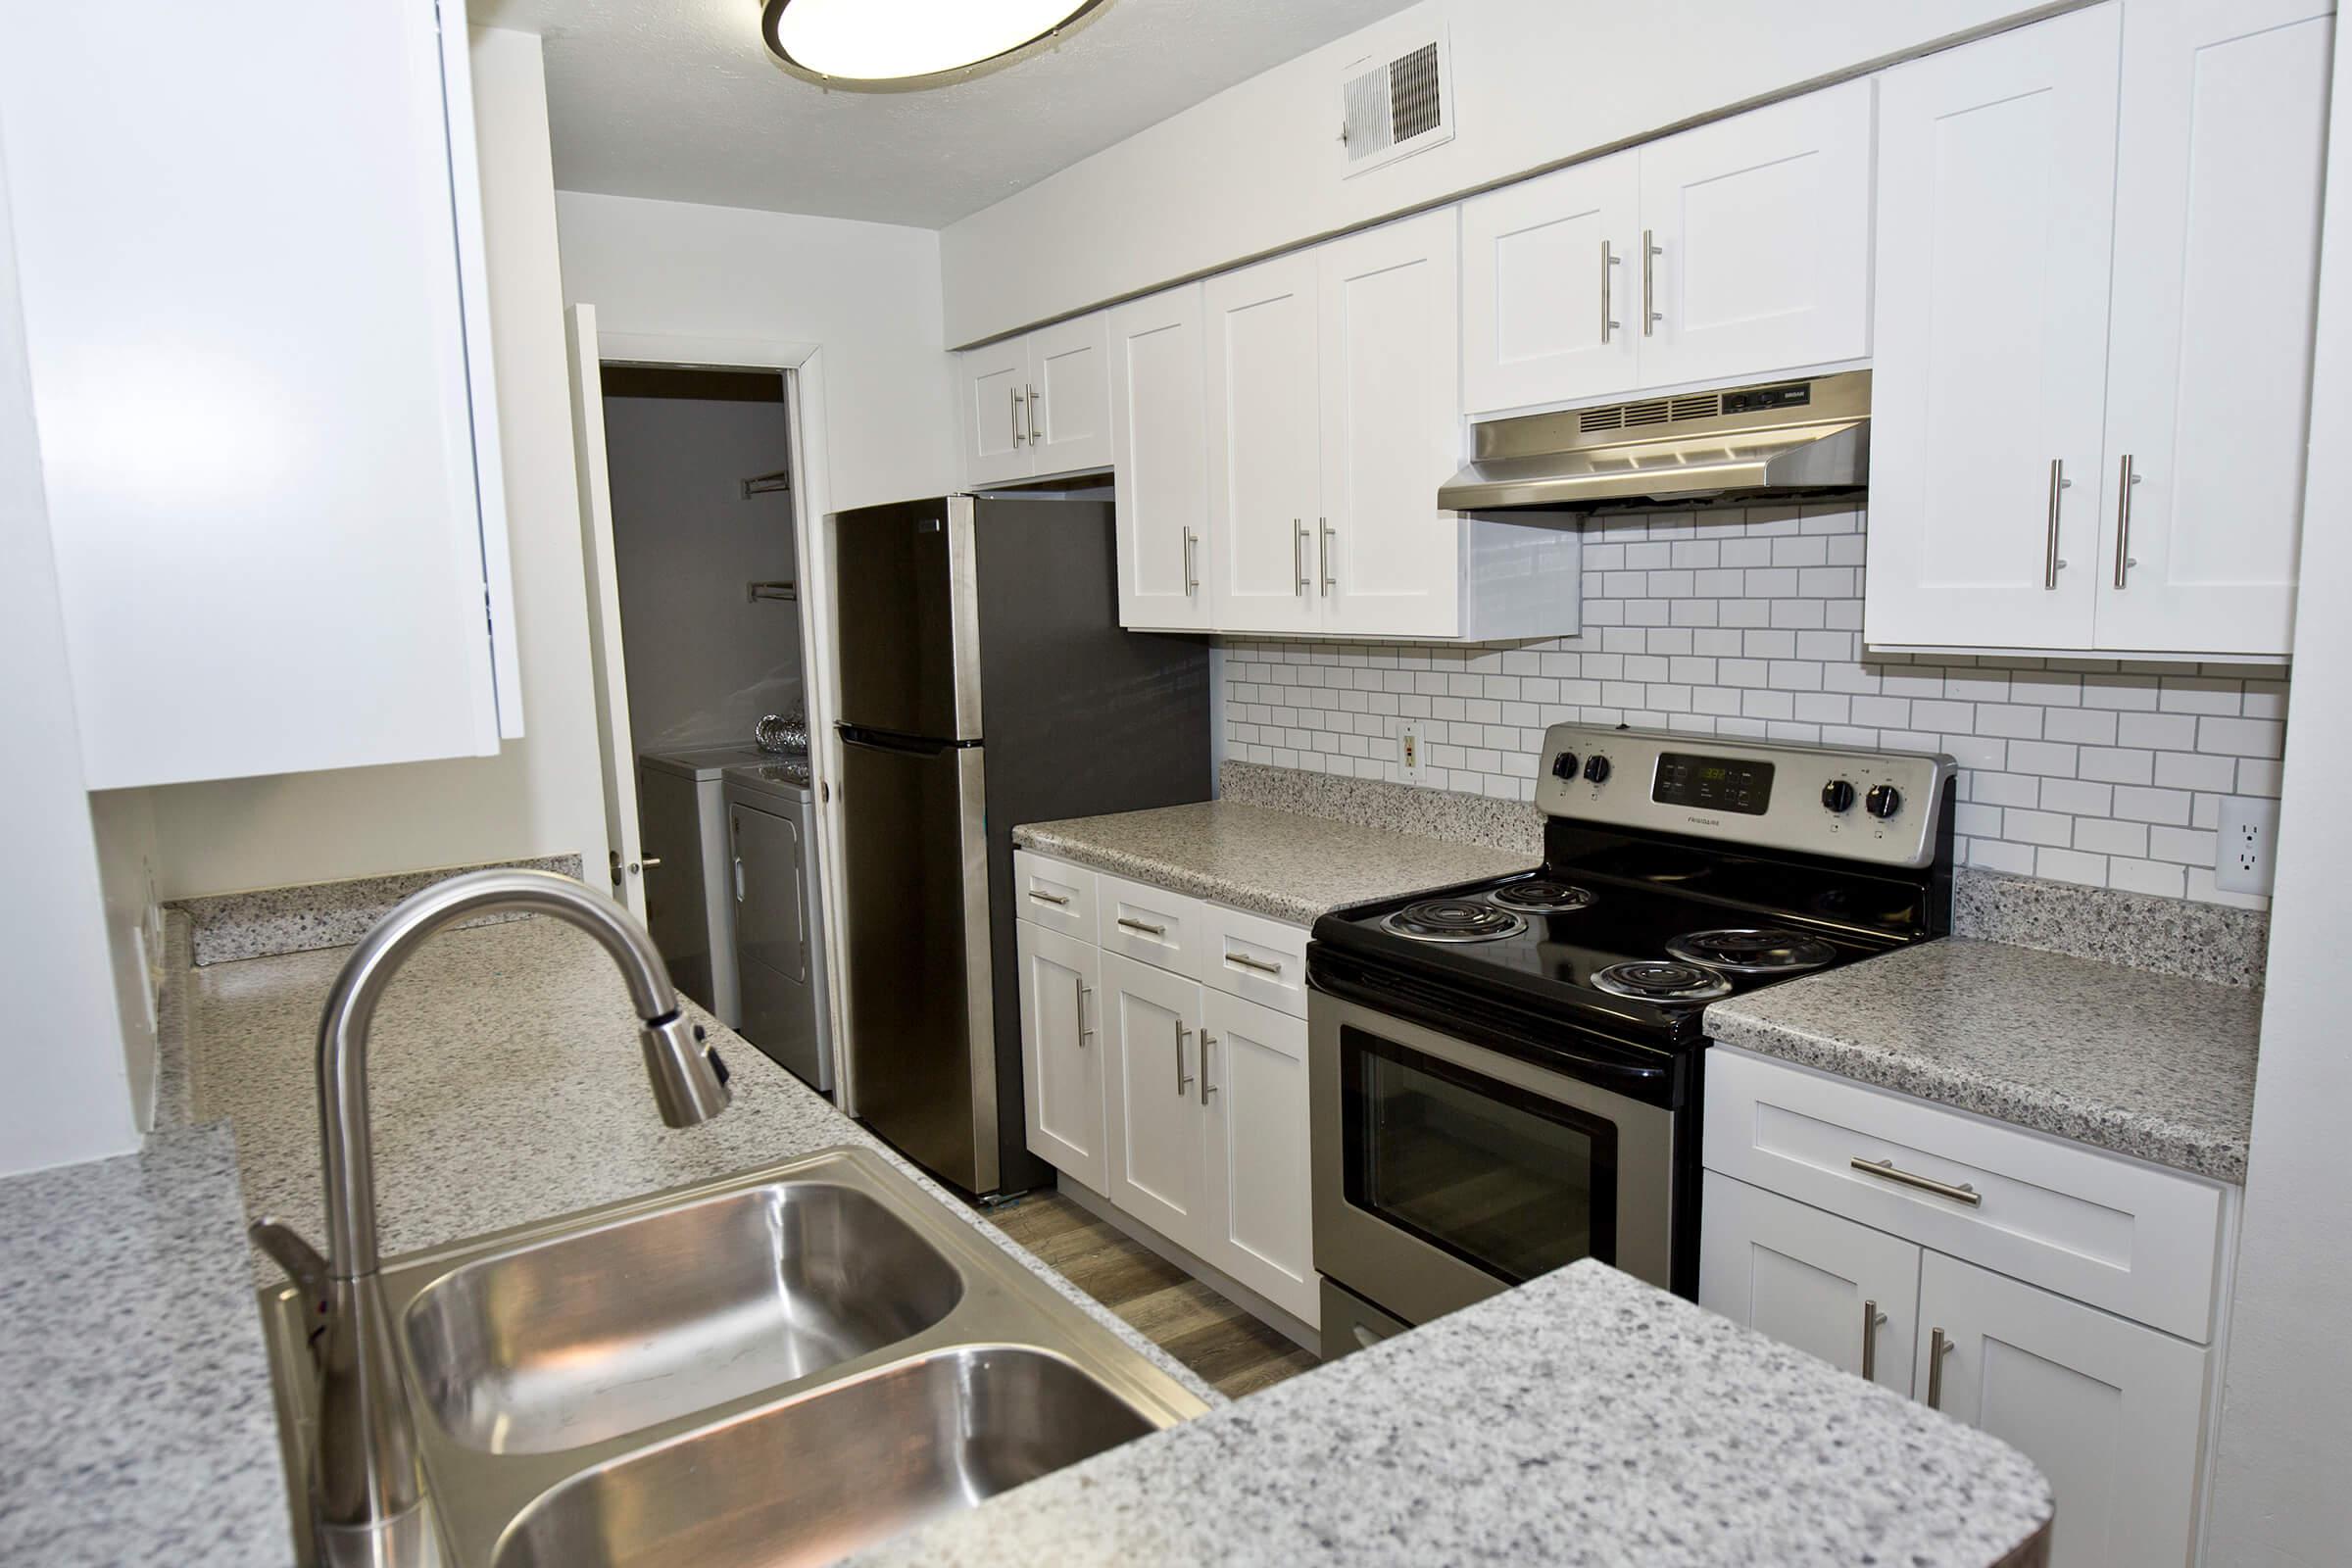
1650 410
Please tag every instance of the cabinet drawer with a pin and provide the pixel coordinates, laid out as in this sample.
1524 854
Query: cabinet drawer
2139 1240
1152 924
1054 894
1254 957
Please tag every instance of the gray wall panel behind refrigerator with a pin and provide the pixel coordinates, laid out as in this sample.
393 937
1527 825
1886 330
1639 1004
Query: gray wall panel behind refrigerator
1079 717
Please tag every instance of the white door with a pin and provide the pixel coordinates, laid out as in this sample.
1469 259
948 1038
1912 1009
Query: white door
1834 1289
2112 1412
1061 1051
995 399
2225 132
1254 1090
1759 229
617 747
1159 454
1996 165
1069 396
1389 561
1150 1024
1550 287
1265 498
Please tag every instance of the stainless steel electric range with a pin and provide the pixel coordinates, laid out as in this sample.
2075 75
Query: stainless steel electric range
1505 1076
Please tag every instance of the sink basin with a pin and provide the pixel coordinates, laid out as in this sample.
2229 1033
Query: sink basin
812 1480
606 1331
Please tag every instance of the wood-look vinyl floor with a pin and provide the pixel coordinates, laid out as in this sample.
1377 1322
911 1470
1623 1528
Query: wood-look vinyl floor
1231 1350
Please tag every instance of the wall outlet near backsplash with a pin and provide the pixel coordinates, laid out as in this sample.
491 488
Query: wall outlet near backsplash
2247 857
1412 758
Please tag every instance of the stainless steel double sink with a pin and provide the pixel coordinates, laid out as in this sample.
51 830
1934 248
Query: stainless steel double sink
777 1368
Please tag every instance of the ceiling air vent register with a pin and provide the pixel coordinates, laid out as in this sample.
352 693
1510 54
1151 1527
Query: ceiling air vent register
1394 105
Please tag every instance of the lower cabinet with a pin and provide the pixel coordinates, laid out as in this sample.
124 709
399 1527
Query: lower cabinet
1254 1092
1834 1289
1061 1051
1158 1130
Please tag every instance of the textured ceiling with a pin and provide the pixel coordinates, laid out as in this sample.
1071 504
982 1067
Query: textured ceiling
679 99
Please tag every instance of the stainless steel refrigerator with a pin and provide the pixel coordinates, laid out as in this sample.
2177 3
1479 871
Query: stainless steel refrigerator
985 682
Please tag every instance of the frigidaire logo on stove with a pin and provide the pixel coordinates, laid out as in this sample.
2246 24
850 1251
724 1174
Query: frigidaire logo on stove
1703 822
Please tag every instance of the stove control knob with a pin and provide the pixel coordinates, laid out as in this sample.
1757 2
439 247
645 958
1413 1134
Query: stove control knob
1837 796
1596 769
1563 766
1882 801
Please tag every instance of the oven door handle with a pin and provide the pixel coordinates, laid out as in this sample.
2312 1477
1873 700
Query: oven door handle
1604 1074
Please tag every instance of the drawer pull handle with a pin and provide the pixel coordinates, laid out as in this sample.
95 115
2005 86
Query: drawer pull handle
1049 898
1146 927
1872 1317
1248 962
1885 1170
1936 1345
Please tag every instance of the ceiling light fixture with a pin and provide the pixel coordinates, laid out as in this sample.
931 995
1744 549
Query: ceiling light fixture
881 45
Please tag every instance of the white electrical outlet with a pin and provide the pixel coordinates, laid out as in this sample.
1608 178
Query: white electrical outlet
1412 760
2249 843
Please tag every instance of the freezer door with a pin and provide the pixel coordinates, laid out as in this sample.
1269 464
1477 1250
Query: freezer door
907 619
922 1058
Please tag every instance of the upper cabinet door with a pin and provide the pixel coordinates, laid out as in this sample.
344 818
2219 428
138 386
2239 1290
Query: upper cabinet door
1159 454
2225 131
1069 396
1550 287
994 388
1759 235
1386 561
1996 181
1264 464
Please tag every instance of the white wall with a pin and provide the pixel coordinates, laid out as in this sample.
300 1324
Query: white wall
868 294
1258 167
67 1095
542 794
2285 1439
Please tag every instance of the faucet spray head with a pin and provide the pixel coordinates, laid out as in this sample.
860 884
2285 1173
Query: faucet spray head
689 1080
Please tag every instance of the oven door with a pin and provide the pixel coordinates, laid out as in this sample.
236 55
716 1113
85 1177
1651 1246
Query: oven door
1446 1172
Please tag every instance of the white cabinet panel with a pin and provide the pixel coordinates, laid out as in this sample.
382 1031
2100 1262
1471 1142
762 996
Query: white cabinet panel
1159 454
1254 1090
1996 165
1550 287
1069 396
1150 924
2224 134
1061 1051
1760 228
995 387
1389 561
1826 1285
1159 1148
1053 894
1258 960
2112 1412
1265 457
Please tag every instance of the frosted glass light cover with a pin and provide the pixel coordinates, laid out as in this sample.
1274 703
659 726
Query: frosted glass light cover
900 40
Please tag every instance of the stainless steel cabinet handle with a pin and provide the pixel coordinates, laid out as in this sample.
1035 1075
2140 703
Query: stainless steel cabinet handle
1298 554
1084 991
2123 481
2050 564
650 862
1936 1345
1207 1088
1184 1079
1872 1317
1191 573
1329 534
1650 284
1016 413
1145 927
1033 439
1608 310
1885 1170
1042 897
1248 962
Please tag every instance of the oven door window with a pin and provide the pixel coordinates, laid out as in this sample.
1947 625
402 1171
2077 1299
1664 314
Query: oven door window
1509 1181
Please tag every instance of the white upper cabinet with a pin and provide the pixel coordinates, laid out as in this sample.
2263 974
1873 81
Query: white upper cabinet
1037 405
1738 249
257 318
2097 244
1159 457
2216 240
1265 475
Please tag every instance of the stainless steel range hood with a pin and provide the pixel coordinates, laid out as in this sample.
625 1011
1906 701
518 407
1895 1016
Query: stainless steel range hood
1754 442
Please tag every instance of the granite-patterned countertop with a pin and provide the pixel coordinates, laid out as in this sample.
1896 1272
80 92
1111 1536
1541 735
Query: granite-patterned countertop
139 1421
1586 1418
2149 1066
1279 863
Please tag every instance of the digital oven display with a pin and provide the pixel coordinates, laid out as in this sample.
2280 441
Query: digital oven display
1712 783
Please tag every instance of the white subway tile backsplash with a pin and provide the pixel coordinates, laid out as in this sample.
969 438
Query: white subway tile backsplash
2103 772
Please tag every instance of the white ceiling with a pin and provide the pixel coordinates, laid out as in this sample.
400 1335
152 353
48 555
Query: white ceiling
679 99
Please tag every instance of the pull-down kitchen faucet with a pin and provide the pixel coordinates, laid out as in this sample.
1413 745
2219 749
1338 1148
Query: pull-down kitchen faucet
367 1488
